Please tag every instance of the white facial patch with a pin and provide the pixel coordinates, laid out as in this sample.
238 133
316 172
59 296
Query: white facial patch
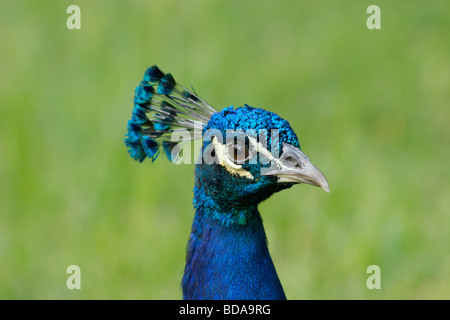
226 162
231 166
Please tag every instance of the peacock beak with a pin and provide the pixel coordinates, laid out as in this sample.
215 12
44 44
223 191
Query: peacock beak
295 167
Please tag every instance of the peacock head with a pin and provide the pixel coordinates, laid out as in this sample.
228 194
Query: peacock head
249 154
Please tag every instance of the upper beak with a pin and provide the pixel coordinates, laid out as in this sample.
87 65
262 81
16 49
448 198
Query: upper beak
295 167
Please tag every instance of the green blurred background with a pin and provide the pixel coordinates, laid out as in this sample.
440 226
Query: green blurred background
371 108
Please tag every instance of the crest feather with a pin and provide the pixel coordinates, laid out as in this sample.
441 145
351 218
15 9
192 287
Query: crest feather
162 106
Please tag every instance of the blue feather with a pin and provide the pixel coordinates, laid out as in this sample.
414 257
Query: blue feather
139 117
143 94
153 74
151 147
168 146
166 84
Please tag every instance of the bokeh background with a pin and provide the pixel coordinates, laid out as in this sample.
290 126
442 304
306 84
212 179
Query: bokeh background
371 108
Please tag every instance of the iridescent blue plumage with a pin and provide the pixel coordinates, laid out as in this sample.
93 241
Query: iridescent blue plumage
248 118
227 255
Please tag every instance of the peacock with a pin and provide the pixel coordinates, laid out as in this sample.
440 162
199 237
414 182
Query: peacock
247 154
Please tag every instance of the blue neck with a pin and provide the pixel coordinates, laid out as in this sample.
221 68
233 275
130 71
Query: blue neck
227 254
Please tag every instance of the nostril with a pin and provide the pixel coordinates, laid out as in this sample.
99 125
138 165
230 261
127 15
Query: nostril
292 162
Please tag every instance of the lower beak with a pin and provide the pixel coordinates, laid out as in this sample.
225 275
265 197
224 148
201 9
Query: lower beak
313 176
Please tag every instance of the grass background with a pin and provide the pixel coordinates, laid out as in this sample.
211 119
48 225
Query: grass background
371 108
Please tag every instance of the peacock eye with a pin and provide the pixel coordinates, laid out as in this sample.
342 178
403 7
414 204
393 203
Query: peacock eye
239 152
